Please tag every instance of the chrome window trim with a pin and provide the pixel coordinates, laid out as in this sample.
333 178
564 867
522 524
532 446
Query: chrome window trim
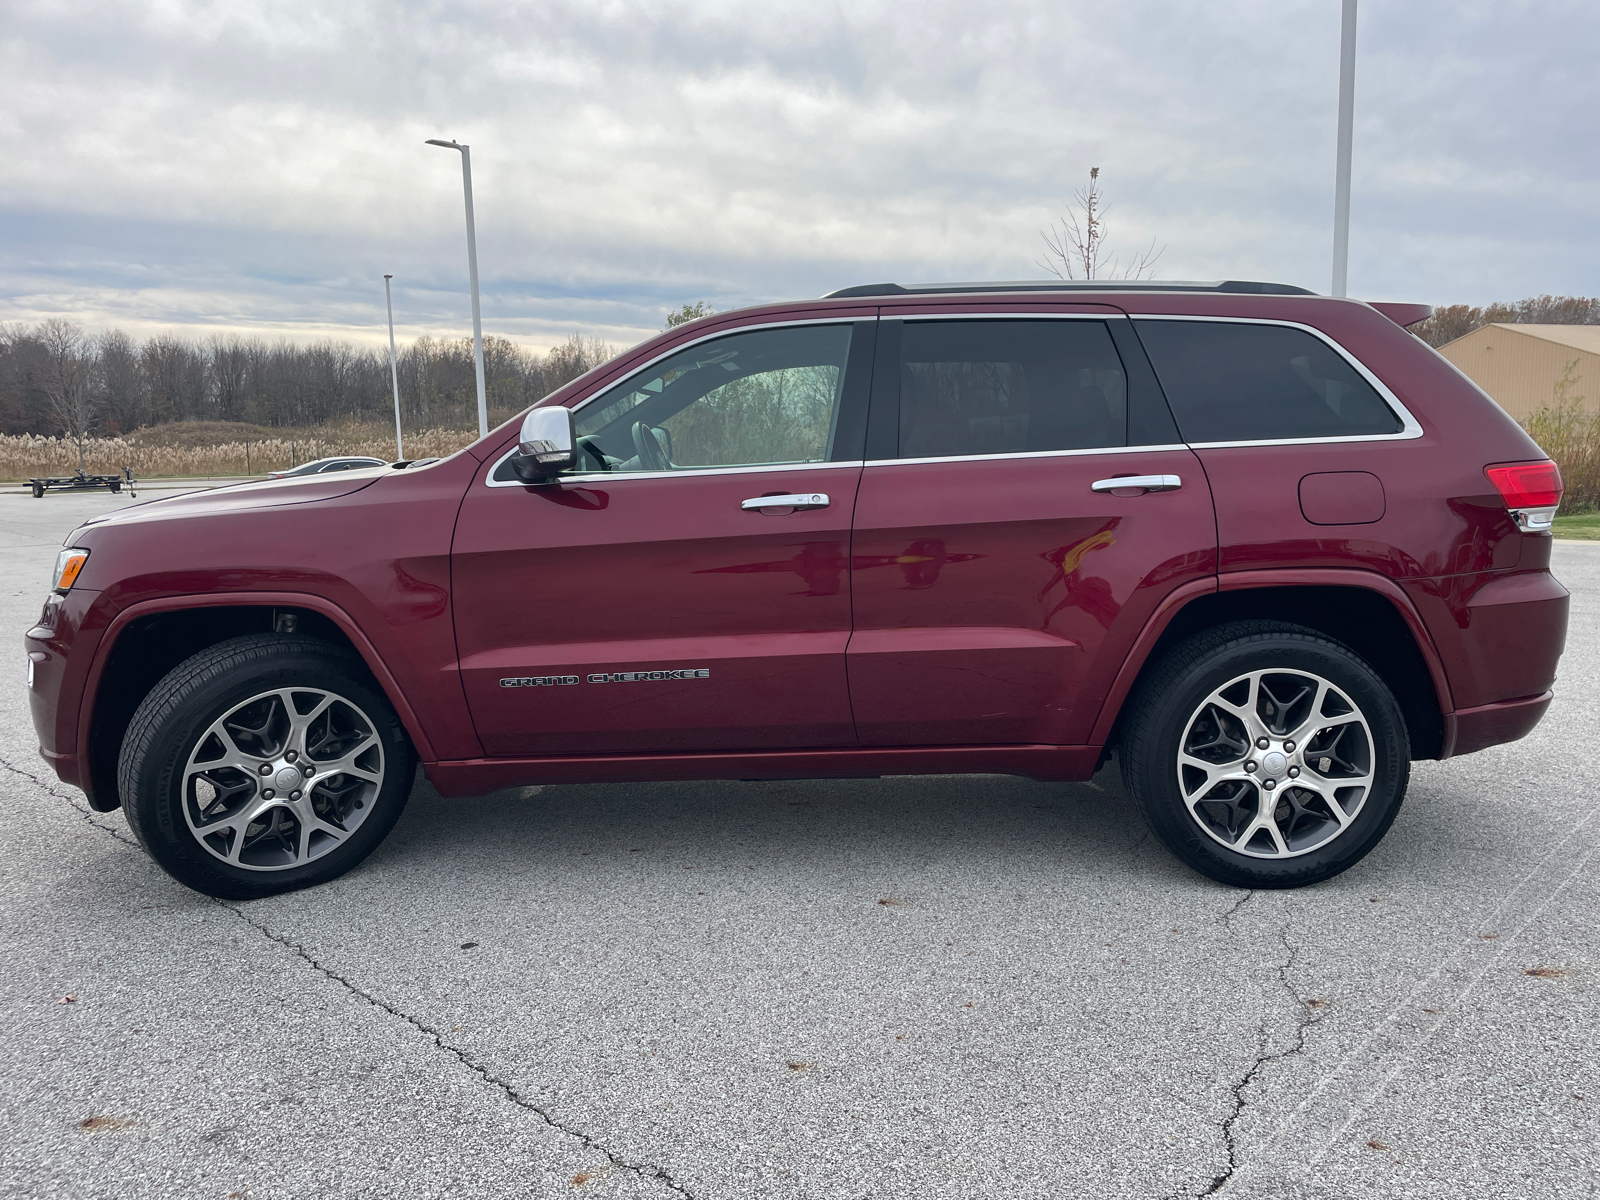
1410 426
1011 316
685 473
613 476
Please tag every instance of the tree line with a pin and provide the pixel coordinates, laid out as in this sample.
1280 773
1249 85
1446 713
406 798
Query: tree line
56 379
1454 321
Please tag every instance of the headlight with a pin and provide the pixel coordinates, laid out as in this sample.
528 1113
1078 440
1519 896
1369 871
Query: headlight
68 564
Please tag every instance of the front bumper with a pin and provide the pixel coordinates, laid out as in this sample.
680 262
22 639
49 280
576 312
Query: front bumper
60 647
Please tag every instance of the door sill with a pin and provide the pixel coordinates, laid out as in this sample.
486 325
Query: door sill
480 776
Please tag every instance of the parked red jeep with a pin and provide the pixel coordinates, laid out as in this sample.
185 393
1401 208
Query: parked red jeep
1265 546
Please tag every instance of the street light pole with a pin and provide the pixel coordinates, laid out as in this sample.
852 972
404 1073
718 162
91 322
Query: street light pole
472 277
394 371
1341 183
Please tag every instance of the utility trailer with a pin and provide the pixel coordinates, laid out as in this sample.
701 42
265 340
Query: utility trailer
79 482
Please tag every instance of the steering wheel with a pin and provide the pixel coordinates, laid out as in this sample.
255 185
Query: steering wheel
651 456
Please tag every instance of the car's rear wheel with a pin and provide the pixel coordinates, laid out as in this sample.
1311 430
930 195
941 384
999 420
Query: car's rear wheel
263 764
1266 755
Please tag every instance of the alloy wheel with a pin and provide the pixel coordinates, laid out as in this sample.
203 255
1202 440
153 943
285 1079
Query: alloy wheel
283 779
1275 763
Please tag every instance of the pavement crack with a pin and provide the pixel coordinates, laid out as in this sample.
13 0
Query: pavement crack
48 787
1304 1018
643 1170
1227 917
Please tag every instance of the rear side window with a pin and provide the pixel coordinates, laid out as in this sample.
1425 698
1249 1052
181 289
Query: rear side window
1230 382
1006 387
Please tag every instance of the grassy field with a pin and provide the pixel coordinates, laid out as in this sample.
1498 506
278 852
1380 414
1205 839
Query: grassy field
208 449
1582 527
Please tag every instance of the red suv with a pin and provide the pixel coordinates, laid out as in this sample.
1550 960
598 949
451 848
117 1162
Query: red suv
1266 547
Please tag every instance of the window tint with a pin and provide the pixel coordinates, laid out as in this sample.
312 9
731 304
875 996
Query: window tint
1004 387
767 396
1236 383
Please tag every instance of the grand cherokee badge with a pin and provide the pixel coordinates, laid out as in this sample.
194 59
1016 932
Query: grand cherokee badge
606 677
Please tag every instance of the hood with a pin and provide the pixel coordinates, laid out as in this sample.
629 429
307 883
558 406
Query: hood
237 497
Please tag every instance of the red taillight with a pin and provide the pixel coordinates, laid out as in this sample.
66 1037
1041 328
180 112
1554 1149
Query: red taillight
1531 490
1527 485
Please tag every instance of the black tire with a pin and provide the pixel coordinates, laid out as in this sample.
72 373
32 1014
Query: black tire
38 491
166 731
1171 702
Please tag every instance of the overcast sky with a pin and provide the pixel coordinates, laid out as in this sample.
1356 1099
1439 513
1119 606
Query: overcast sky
258 166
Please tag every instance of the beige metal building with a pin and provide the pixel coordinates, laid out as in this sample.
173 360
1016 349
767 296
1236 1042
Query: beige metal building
1520 365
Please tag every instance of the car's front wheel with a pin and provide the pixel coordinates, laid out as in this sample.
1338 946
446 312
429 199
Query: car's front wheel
263 764
1266 755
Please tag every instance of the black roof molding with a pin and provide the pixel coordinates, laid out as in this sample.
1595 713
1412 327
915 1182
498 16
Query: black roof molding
1073 285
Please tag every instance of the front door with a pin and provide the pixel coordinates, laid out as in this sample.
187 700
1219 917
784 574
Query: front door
998 577
656 599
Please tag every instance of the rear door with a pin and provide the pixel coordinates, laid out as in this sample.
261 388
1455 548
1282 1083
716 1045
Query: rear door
999 577
655 599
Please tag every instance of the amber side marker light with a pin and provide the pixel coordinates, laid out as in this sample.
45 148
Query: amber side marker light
68 564
1531 490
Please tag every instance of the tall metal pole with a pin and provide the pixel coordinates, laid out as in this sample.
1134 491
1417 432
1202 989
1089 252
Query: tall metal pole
472 277
1341 184
394 371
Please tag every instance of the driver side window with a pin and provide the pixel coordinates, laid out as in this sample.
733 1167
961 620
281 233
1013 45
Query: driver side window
768 396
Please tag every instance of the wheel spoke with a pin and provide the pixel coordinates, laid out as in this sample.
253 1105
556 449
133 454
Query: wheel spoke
1324 789
1215 773
314 824
348 766
298 725
1246 711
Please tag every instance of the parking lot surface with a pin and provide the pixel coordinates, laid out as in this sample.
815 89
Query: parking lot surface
937 986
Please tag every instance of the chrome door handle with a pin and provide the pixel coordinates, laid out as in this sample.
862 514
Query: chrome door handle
1150 483
799 500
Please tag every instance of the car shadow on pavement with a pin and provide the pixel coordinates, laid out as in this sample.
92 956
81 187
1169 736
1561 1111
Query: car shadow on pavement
857 825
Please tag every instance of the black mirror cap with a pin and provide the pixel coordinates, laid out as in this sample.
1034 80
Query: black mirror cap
542 468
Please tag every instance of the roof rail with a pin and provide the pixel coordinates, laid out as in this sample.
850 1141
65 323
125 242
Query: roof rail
1073 285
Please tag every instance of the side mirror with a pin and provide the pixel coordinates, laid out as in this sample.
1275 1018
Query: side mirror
547 446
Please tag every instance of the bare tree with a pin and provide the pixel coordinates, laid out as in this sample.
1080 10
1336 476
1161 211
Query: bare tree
1075 246
688 312
116 383
576 356
65 379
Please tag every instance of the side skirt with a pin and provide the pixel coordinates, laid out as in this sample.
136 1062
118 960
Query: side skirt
479 776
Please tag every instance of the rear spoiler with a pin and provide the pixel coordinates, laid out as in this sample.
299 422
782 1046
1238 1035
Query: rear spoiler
1404 315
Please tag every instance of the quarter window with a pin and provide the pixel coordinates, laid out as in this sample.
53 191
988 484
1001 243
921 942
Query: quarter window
769 396
1230 382
1007 387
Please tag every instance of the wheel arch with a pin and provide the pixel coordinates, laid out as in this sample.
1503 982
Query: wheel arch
146 640
1366 611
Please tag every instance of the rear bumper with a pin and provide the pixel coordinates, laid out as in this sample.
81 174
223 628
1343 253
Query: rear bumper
1470 729
1499 634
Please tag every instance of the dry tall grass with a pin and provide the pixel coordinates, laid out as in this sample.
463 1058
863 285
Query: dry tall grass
25 456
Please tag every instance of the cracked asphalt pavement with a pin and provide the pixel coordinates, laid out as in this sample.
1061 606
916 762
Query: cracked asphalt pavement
940 986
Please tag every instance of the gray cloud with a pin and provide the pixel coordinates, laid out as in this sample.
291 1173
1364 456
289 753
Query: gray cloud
260 165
